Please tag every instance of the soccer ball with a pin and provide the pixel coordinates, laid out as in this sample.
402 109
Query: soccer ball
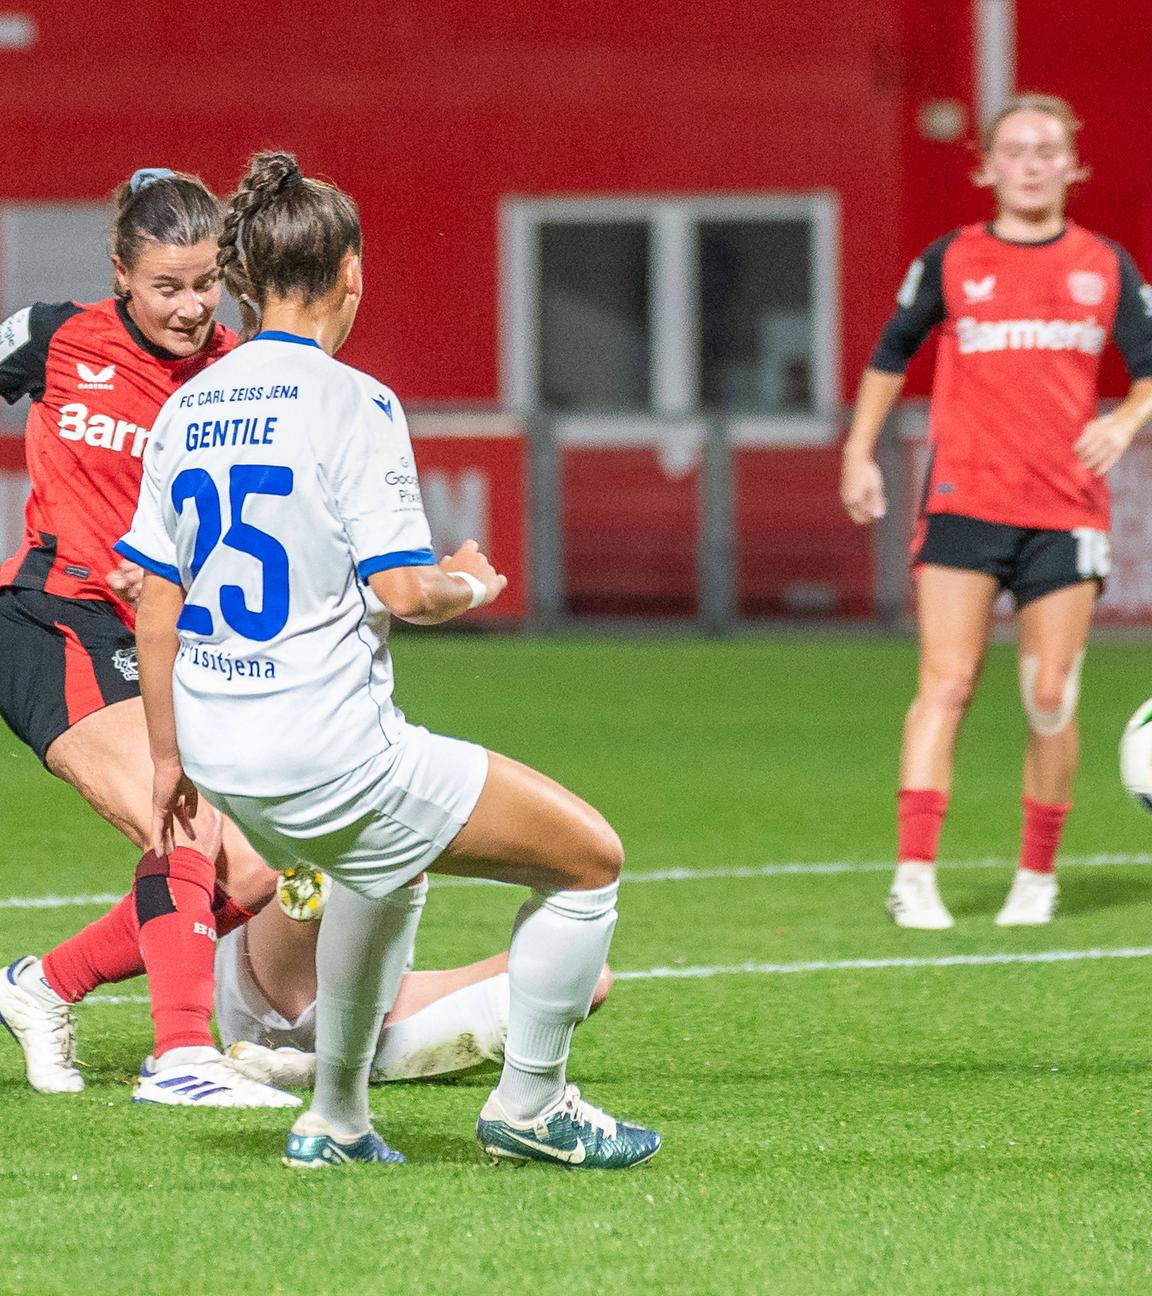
303 892
1136 756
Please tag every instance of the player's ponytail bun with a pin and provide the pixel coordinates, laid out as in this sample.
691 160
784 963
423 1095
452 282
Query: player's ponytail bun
161 206
284 236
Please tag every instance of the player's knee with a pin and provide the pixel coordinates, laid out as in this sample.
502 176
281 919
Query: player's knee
599 858
608 854
249 881
603 986
1050 694
949 690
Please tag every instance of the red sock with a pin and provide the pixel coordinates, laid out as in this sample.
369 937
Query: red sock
921 818
229 914
106 950
1040 838
178 942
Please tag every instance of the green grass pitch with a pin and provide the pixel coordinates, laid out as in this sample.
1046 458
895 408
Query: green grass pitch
880 1131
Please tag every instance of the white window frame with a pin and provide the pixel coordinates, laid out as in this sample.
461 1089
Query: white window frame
673 297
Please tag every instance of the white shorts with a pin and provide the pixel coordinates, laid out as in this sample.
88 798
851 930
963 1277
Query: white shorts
243 1012
376 827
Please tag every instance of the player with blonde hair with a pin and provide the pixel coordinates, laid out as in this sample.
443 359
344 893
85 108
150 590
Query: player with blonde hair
1016 497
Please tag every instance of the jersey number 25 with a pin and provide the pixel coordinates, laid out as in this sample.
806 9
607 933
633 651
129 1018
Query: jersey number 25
243 480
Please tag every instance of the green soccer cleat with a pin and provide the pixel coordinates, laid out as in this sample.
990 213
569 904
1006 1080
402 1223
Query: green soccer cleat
312 1146
571 1133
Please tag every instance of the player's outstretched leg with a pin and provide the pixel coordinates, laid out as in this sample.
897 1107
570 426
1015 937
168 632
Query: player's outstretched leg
526 829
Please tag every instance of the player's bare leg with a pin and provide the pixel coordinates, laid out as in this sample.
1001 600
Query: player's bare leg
163 926
105 757
528 830
954 612
1053 634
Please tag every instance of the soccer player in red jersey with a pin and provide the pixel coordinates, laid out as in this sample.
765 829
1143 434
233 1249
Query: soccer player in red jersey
1016 497
97 376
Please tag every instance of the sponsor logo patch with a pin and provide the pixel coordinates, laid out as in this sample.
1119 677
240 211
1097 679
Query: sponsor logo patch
1086 287
101 431
14 332
908 289
1085 336
124 660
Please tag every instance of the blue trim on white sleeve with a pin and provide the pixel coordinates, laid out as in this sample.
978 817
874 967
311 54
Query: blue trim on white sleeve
149 564
275 335
401 558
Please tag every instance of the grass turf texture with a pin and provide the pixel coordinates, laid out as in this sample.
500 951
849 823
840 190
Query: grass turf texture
936 1130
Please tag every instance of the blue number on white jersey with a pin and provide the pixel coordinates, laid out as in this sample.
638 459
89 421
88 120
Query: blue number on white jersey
243 480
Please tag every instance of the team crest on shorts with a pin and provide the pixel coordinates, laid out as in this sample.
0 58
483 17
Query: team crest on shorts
1087 287
124 660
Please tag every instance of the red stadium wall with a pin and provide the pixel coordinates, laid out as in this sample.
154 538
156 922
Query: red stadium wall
430 113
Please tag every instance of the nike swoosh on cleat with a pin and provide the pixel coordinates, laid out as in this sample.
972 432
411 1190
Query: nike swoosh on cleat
573 1156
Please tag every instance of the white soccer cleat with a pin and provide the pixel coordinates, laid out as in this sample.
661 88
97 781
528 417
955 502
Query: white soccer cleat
1031 901
46 1031
215 1083
279 1066
914 900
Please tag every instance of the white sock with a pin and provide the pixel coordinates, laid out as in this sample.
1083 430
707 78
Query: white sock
459 1031
559 944
189 1055
31 978
361 954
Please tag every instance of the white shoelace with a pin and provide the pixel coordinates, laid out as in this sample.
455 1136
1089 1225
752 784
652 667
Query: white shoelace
583 1113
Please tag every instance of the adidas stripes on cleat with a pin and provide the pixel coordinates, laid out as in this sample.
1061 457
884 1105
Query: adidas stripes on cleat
215 1083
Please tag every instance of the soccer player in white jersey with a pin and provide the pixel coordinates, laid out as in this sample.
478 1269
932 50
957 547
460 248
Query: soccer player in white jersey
273 486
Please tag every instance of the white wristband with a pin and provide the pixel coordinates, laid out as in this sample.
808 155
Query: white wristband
479 591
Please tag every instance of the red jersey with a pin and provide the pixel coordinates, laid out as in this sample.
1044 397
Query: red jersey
96 384
1023 326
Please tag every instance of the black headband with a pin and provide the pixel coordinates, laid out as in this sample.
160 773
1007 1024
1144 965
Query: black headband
291 180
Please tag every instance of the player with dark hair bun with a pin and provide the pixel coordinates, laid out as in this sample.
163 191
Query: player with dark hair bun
1016 497
97 376
264 631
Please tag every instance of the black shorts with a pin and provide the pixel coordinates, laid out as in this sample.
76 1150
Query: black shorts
61 659
1028 562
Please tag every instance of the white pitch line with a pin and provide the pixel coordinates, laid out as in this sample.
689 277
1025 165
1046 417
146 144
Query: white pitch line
819 965
872 965
793 869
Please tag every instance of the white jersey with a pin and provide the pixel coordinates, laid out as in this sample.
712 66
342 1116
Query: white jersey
275 482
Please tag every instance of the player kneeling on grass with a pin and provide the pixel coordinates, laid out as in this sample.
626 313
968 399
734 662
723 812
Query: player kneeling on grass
442 1023
274 485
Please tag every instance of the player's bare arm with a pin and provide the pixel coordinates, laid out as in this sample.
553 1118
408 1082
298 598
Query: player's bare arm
1106 438
437 593
861 482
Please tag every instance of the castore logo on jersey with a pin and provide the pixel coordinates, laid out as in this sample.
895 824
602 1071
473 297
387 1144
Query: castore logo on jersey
979 290
95 380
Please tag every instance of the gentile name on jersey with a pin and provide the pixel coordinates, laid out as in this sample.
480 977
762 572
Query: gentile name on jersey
1030 335
101 430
